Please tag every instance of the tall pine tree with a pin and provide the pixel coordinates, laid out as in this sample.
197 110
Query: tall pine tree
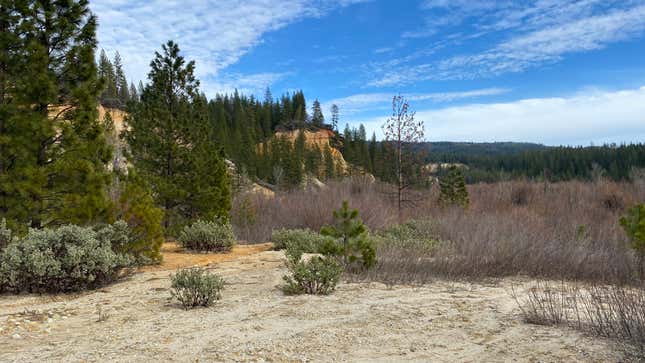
121 84
173 146
317 118
109 95
54 151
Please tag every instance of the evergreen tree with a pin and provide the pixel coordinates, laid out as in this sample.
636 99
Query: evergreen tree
334 117
172 144
109 96
352 237
634 225
294 162
121 84
54 152
313 157
372 153
134 95
317 117
453 188
330 170
136 206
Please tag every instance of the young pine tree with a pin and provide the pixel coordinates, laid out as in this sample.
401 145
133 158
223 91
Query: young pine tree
353 243
634 225
172 144
53 149
453 188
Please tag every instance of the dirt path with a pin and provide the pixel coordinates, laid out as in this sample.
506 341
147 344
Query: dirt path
175 257
255 322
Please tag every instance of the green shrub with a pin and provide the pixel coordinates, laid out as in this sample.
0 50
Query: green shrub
5 234
351 240
69 258
417 234
634 225
137 208
317 276
208 236
196 287
306 240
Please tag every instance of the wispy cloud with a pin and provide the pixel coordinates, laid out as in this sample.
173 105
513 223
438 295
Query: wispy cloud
374 101
545 32
250 84
214 33
589 116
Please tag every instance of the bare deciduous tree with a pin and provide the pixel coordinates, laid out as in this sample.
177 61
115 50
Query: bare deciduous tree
401 129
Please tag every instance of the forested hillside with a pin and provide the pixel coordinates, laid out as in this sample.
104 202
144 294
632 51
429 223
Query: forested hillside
502 161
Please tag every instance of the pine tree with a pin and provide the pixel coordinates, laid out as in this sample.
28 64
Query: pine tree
294 162
54 152
334 117
109 95
353 239
172 143
317 117
453 188
372 153
121 84
134 95
136 206
312 160
330 170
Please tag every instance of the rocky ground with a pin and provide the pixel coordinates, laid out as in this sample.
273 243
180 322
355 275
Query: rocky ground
136 320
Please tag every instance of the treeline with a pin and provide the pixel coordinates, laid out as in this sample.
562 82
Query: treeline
616 162
116 91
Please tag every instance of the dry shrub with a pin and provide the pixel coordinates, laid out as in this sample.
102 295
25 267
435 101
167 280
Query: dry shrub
559 230
612 312
310 208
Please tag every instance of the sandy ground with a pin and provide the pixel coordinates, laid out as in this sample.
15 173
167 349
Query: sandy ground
254 321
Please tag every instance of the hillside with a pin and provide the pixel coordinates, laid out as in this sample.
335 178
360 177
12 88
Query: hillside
320 138
439 149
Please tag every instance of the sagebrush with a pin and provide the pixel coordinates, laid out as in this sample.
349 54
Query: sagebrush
208 236
68 258
316 276
5 234
196 287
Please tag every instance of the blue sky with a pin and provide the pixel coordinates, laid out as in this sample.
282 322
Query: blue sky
548 71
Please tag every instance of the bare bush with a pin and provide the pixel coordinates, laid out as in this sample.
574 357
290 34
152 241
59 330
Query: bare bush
555 231
607 311
311 208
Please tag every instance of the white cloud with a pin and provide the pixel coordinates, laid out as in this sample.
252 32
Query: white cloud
214 33
249 84
543 32
591 116
370 101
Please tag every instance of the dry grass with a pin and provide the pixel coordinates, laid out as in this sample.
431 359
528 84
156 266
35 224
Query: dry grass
564 230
